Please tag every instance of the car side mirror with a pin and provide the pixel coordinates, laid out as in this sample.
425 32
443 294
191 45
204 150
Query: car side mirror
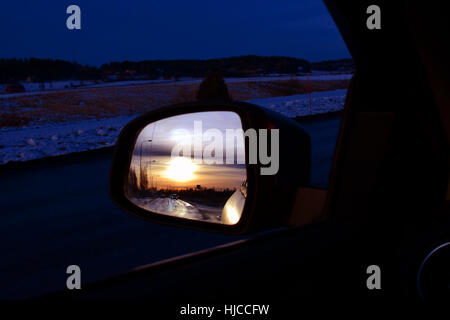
229 167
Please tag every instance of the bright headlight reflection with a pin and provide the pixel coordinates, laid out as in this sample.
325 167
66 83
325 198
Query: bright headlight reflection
232 215
181 169
232 211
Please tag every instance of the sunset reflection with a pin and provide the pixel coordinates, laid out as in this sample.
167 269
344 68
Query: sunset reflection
190 166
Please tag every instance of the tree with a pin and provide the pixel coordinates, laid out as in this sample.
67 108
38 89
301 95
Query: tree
144 180
213 87
132 187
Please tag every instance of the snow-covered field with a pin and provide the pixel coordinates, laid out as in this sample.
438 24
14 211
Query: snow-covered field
51 139
298 105
27 143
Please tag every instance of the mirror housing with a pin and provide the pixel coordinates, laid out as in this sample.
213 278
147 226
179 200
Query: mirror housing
269 197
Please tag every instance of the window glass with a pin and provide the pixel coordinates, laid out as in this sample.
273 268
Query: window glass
69 83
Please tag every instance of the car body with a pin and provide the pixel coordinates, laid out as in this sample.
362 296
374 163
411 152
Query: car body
234 206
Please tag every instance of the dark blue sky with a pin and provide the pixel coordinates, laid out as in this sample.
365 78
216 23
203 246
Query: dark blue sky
115 30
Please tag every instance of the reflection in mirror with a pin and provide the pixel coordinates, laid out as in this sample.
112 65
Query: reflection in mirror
191 166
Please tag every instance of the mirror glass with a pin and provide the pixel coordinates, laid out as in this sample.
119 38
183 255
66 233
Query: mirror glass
191 166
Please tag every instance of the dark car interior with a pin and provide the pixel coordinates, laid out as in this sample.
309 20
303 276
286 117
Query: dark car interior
387 202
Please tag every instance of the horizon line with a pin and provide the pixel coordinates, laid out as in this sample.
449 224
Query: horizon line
145 60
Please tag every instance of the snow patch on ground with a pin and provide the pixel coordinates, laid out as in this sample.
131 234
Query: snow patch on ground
33 142
52 139
298 105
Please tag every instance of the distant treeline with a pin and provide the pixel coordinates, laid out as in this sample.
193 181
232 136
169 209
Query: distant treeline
344 65
229 67
44 70
37 70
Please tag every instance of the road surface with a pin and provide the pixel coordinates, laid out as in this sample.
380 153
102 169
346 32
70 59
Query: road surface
179 208
173 207
56 214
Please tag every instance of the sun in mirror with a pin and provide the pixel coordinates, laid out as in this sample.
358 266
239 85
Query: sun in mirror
191 166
